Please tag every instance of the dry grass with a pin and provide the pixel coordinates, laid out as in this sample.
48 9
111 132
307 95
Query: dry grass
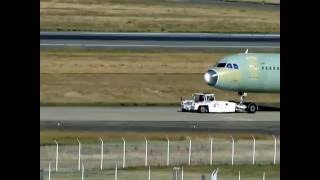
130 88
117 77
121 62
258 1
154 16
69 137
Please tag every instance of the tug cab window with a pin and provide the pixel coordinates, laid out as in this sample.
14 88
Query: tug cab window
221 65
229 66
210 98
198 98
235 66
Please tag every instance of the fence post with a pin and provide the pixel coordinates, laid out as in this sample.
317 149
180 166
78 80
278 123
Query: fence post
275 149
254 150
101 158
239 175
149 176
116 173
214 175
49 174
232 151
146 156
264 176
211 143
189 150
182 173
168 151
57 154
176 173
124 153
82 172
79 156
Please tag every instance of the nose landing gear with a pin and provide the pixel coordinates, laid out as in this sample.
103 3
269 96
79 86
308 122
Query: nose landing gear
250 107
242 96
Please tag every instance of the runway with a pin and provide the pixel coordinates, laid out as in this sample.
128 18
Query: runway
155 119
111 40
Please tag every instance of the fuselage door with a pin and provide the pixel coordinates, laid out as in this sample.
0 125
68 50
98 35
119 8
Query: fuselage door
253 67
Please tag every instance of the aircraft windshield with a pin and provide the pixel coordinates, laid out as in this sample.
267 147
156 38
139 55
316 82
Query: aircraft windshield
229 65
235 66
221 65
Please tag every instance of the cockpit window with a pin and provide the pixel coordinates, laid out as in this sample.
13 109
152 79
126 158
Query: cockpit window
221 65
229 65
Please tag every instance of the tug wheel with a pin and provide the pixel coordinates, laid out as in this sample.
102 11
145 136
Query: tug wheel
203 109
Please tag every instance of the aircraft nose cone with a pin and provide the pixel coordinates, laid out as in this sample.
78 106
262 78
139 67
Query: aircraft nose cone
211 77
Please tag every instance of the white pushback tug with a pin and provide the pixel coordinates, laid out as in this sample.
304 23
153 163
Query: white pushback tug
206 102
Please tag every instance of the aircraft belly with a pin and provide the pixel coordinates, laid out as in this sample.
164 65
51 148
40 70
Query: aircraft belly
272 83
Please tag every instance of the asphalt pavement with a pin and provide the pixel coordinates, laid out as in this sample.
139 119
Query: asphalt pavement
155 119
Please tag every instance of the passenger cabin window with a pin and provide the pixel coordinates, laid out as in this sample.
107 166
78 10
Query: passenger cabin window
274 68
229 66
235 66
278 68
262 67
221 65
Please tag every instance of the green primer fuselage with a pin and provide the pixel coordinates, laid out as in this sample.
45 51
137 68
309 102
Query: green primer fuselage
257 72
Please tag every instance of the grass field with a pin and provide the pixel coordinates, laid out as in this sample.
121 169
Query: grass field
124 62
69 137
226 172
154 16
257 1
115 78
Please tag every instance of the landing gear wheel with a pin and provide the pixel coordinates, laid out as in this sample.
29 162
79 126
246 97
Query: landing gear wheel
252 108
242 96
203 109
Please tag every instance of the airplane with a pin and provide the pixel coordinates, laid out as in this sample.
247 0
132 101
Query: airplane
246 72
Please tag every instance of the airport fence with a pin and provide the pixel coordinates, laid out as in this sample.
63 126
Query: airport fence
106 154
